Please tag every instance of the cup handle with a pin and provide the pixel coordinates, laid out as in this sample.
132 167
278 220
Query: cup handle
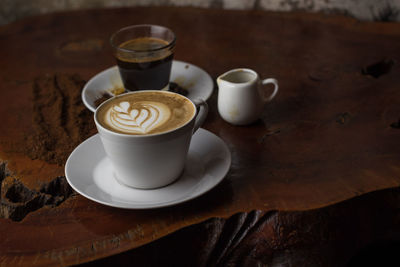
275 83
201 114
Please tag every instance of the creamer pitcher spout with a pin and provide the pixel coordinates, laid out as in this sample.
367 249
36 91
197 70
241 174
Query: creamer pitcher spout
221 80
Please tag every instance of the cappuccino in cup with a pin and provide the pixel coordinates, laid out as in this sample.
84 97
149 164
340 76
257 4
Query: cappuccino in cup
146 135
145 113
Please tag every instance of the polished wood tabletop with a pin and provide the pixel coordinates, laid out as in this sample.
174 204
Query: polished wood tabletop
311 183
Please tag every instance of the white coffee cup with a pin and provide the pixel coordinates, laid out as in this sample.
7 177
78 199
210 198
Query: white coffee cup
240 96
152 160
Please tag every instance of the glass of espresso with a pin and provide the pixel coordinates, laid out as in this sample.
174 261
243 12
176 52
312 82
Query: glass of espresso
144 56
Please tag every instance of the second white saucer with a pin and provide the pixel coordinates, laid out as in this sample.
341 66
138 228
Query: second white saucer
195 80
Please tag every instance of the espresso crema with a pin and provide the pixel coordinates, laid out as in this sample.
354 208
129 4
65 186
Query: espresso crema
143 113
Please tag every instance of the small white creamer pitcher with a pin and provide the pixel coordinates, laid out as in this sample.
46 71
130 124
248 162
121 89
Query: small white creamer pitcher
240 97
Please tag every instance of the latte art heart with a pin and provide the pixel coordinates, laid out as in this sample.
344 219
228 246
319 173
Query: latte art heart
145 113
139 117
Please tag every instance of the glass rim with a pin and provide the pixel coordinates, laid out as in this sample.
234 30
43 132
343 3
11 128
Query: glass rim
170 44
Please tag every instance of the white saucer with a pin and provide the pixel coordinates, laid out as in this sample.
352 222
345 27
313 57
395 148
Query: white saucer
198 83
90 173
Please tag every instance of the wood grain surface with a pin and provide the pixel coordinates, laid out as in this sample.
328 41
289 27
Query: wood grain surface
332 135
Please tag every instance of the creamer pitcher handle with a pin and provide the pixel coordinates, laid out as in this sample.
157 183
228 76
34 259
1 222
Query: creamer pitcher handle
201 114
275 83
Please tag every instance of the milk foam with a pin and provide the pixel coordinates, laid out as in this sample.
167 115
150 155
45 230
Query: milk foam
138 117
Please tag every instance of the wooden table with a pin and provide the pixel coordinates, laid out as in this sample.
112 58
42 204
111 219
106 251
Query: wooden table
312 183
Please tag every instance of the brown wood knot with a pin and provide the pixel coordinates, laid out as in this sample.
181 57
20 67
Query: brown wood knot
343 118
17 200
395 125
379 68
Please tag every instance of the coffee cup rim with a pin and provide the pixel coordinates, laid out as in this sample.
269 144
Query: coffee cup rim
98 124
170 44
